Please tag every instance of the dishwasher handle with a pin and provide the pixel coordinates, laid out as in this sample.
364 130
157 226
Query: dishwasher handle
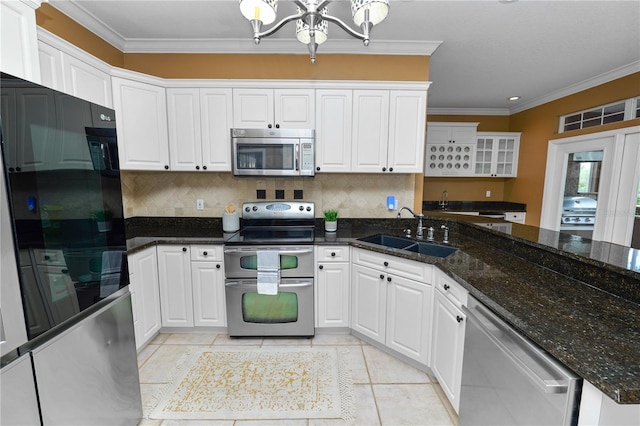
492 327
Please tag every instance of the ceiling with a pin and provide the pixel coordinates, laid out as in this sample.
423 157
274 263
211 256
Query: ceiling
482 51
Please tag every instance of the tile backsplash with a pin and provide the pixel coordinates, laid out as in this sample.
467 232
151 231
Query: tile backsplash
174 194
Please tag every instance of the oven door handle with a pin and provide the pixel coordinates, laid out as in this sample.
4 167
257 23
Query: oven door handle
253 285
248 250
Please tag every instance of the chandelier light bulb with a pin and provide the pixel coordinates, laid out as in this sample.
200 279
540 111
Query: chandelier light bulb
260 10
321 29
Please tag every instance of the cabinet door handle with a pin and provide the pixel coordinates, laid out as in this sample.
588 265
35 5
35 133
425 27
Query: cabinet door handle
447 287
320 267
197 167
381 277
384 169
217 266
386 263
184 249
389 279
318 168
204 167
166 167
459 318
390 169
277 126
269 125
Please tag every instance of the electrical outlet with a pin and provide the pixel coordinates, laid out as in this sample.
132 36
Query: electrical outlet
200 204
488 194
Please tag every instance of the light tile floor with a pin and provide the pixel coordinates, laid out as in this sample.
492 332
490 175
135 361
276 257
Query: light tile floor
386 391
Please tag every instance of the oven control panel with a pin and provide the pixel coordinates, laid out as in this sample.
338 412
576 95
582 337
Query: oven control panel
278 210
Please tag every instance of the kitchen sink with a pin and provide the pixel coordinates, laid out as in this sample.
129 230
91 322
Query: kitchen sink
429 249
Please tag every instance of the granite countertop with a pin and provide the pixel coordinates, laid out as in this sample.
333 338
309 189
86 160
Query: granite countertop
590 324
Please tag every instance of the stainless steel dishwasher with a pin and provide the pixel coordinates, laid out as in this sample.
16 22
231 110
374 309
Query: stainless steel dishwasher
508 380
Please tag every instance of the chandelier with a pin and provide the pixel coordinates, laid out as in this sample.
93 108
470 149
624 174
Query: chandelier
312 19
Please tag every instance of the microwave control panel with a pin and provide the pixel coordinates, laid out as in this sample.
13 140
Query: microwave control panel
307 167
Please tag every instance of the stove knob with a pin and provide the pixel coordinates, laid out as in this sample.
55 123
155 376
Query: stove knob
247 209
301 208
308 208
255 208
588 219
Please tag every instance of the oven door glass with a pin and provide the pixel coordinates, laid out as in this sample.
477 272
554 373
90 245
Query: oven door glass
295 262
251 262
270 309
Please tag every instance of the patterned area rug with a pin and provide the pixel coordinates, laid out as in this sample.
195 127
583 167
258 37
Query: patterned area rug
267 383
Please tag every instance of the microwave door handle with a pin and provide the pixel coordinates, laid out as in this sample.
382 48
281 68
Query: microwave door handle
297 157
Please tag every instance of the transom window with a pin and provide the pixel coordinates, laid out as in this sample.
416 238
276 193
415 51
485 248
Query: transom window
598 116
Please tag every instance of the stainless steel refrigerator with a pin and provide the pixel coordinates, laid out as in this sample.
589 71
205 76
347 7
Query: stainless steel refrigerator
69 354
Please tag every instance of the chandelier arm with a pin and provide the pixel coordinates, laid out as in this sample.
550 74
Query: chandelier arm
279 25
345 27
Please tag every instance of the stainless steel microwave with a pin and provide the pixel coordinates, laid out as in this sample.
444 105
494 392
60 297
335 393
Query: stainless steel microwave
273 152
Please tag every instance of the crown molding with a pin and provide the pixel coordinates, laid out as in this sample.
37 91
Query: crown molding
90 22
614 74
279 46
467 111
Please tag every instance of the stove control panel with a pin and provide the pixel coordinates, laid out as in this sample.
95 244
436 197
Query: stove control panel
278 210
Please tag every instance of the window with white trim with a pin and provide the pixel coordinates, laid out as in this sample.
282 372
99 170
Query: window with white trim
611 113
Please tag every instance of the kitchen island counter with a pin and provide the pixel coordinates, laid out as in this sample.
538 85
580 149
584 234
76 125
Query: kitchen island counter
581 309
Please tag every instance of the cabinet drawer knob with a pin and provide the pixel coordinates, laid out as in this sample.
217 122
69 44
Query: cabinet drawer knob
204 253
459 318
389 279
333 254
447 287
381 277
386 263
217 266
184 249
320 267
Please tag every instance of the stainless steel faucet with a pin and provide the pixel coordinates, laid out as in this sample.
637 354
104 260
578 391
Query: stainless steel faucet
444 202
420 216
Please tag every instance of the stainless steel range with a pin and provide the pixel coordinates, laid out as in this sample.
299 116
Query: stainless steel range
269 271
578 214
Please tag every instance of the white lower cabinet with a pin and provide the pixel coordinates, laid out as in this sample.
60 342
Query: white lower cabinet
391 301
145 297
207 279
176 295
449 324
332 286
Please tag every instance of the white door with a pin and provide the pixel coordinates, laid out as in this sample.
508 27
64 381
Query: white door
368 302
408 317
407 131
332 289
295 108
370 131
209 304
183 119
611 144
216 118
174 277
253 108
333 130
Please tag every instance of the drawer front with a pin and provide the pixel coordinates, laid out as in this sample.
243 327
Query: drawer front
394 265
207 253
333 253
515 216
451 289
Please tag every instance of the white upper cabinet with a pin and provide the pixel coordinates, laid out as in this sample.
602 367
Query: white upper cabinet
407 116
450 149
86 82
141 114
256 108
68 69
370 131
497 154
388 131
19 40
333 130
199 121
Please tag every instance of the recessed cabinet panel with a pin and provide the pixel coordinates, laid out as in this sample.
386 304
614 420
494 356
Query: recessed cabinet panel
333 130
370 131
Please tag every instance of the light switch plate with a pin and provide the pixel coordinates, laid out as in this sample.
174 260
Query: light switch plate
200 204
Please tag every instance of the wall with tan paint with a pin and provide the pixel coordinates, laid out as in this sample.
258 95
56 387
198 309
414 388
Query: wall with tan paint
538 126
